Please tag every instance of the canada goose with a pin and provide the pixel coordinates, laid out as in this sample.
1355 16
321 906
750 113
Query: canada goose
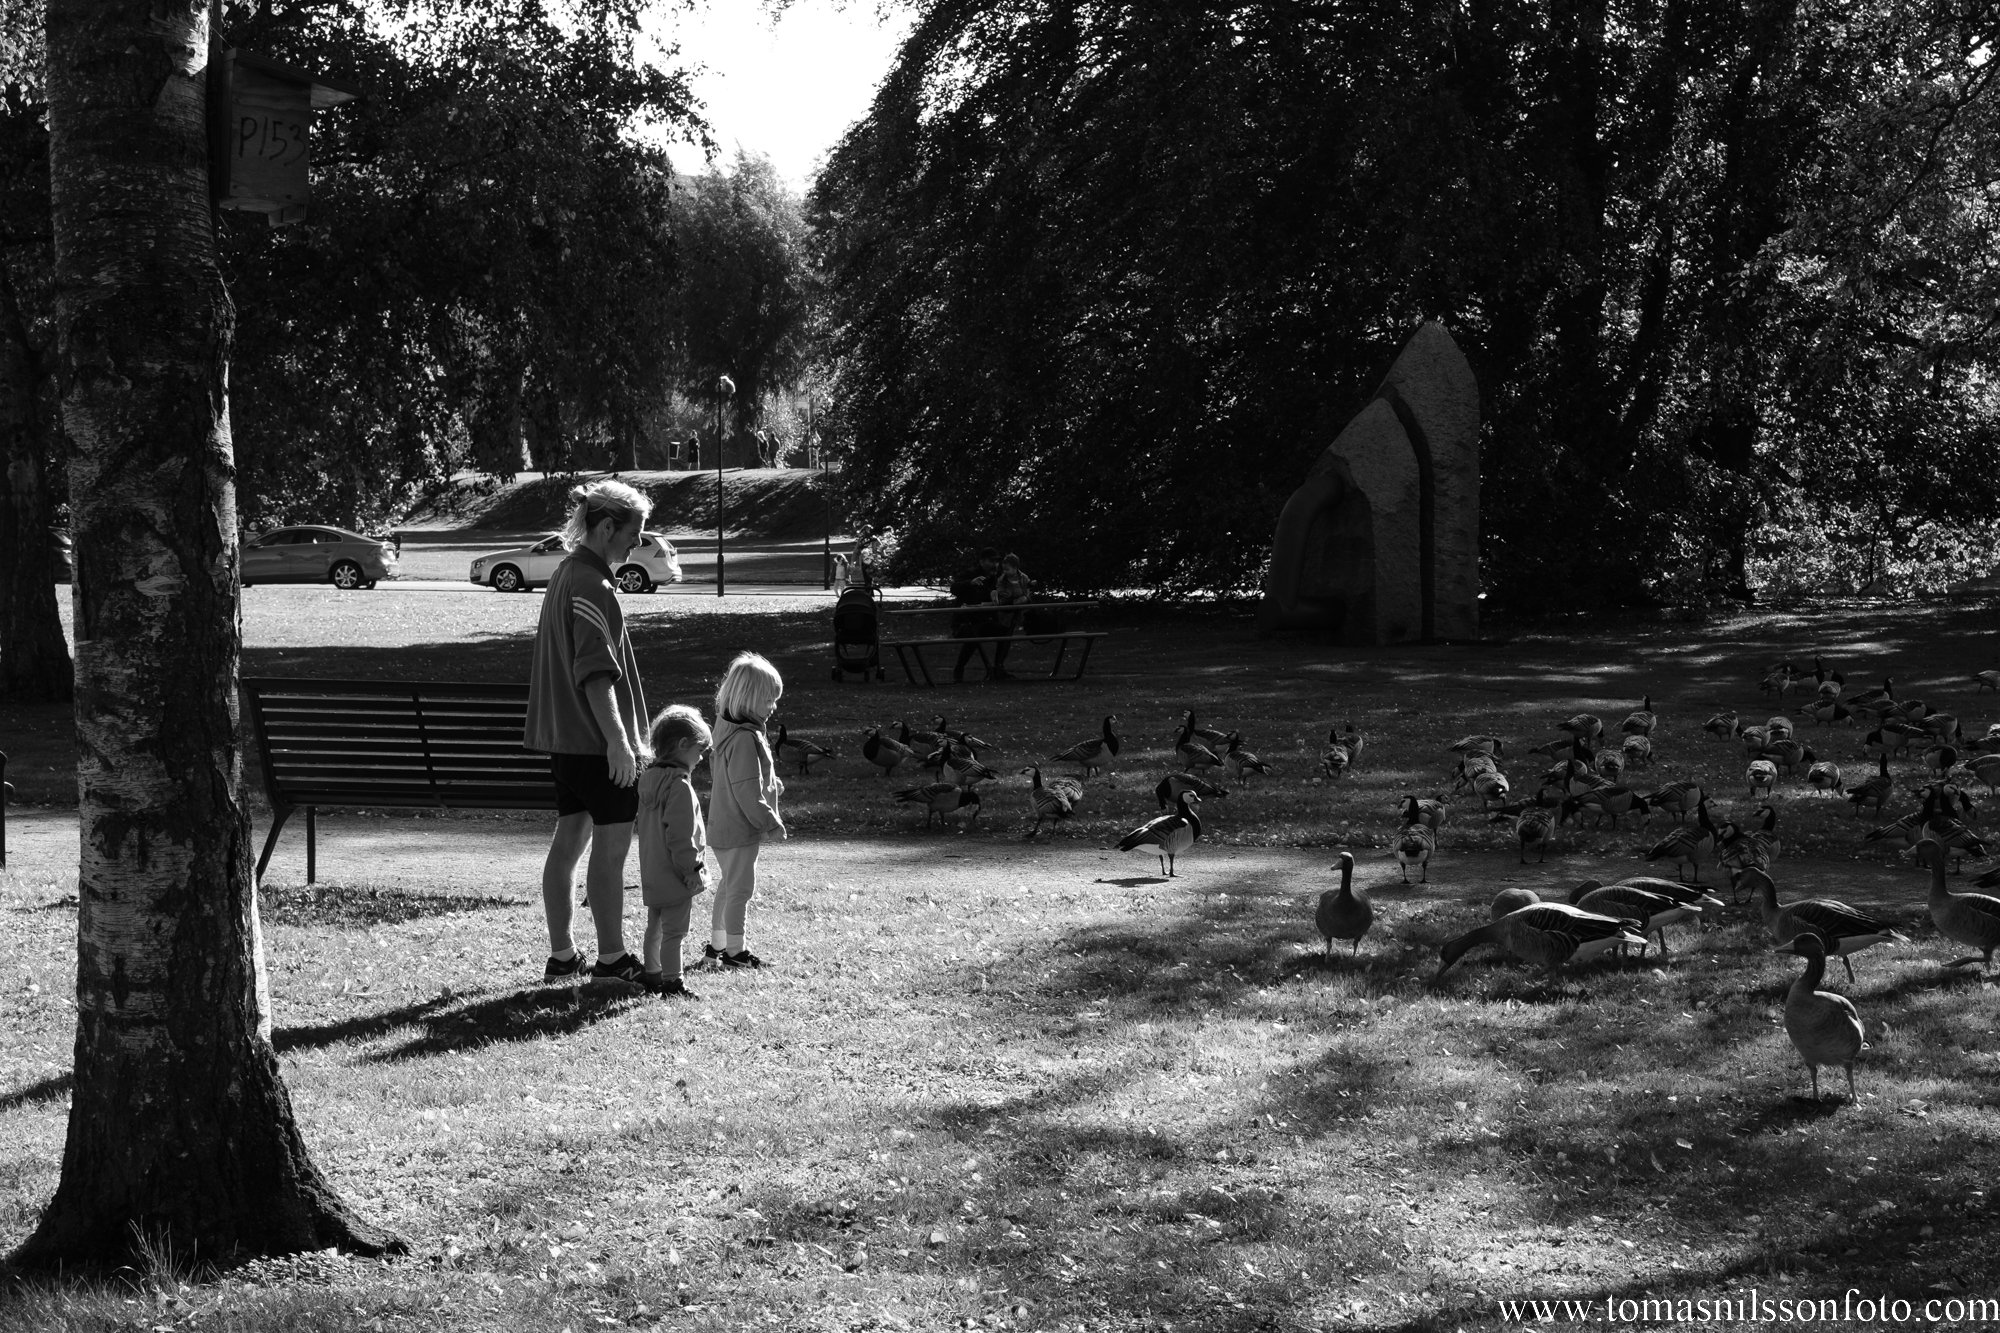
1869 698
1344 913
1169 788
1047 803
1167 836
1686 846
1940 759
1825 1028
1641 721
1939 826
1414 846
1512 900
1208 736
1611 764
965 770
1677 797
1825 711
1875 791
945 732
1844 930
1430 813
1096 754
1240 762
1824 777
1722 726
1534 826
1614 802
1971 919
1491 787
1336 761
1638 751
1988 679
942 800
1944 726
1779 679
1752 847
799 750
1584 726
1494 746
1788 754
1830 682
1562 748
1546 934
1778 727
882 751
1762 773
1754 739
1471 767
1653 912
1191 752
1986 769
1907 831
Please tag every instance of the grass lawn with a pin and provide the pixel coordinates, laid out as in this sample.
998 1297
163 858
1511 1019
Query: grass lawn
994 1083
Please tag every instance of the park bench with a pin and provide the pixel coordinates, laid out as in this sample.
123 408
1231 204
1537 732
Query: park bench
429 745
917 666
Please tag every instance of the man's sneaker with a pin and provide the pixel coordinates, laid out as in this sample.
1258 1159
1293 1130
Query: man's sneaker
628 968
710 954
741 958
659 985
558 970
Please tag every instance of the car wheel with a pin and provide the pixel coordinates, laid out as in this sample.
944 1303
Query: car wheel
634 579
346 575
508 579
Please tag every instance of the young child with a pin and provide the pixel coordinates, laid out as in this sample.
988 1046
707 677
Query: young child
743 797
1013 585
672 840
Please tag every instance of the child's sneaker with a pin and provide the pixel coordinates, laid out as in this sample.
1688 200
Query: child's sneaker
741 958
627 968
710 954
659 985
559 970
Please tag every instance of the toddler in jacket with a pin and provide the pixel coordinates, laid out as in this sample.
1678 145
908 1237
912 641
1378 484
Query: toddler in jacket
672 840
744 788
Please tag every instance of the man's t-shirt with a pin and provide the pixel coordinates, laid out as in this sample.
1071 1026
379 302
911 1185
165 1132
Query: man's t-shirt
581 636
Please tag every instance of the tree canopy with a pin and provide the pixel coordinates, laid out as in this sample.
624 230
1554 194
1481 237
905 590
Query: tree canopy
1106 278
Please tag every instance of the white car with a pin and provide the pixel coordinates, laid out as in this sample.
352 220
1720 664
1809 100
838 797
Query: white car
651 563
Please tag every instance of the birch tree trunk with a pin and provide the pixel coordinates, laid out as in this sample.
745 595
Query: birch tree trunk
180 1128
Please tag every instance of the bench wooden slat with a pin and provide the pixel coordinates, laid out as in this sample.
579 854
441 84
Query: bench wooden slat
910 652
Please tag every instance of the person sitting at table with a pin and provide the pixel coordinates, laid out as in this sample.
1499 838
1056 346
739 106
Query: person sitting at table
977 588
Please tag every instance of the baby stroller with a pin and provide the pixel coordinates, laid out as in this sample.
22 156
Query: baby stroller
857 633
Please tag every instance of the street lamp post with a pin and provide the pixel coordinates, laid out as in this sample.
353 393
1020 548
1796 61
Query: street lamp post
826 493
725 389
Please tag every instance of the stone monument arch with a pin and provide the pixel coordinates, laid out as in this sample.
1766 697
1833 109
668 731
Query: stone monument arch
1381 543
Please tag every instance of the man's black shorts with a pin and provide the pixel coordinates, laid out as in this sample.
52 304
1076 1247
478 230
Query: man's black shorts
583 782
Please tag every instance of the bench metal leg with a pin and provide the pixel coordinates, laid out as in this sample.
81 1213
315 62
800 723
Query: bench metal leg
1083 658
906 651
1062 647
279 815
312 843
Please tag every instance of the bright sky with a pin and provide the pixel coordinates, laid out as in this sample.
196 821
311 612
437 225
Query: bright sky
788 88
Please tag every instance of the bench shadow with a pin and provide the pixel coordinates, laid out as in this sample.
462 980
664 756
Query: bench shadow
334 905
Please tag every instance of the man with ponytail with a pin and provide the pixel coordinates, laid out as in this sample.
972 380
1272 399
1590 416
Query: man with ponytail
587 711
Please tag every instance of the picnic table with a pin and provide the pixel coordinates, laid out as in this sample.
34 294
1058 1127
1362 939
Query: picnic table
916 667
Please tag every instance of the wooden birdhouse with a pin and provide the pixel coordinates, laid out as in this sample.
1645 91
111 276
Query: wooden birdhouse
262 123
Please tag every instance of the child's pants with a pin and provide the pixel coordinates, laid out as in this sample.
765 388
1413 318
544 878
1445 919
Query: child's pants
732 896
666 928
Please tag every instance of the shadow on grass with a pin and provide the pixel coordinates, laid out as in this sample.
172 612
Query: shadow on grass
333 905
445 1027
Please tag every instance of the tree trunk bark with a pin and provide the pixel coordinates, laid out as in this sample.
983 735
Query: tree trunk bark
180 1127
34 659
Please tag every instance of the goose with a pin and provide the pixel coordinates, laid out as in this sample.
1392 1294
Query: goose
1641 721
1614 802
1344 913
1574 776
1491 787
1208 736
1627 902
1070 789
1493 746
800 750
1167 836
1971 919
1534 826
1430 813
1547 934
1611 764
1678 797
1722 726
1778 727
1047 803
1826 711
1761 773
1686 846
1875 791
1191 752
1944 726
1905 832
1096 754
1354 741
882 751
965 771
1788 754
1843 930
1584 726
1414 846
1779 679
1960 841
944 732
1986 769
1759 846
941 800
1830 683
1941 759
1988 679
1240 762
1471 767
1336 761
1825 1028
1754 739
1869 698
1638 751
1172 785
1512 900
1891 736
1824 777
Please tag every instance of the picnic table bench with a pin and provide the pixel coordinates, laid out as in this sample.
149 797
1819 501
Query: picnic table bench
916 667
433 745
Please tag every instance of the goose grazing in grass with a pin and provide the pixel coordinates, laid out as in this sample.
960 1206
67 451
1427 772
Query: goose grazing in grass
885 752
1167 836
964 770
1788 754
1945 727
1545 934
1494 746
942 800
1491 786
1583 726
1875 791
1762 774
1609 802
1722 726
1344 913
1513 900
1905 832
1870 698
1842 930
1826 711
1677 798
1641 721
1971 919
1984 768
1627 902
1191 752
1941 758
1754 739
1048 803
799 750
1758 846
1414 846
1209 736
1687 846
1430 813
1638 751
1095 754
1824 777
1240 762
1825 1028
1172 785
1988 679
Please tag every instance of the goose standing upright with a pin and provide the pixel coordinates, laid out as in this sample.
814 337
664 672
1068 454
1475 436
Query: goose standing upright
1971 919
1842 930
1095 754
1167 836
1825 1028
1047 803
884 752
799 750
1414 846
1641 721
1344 913
1191 752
